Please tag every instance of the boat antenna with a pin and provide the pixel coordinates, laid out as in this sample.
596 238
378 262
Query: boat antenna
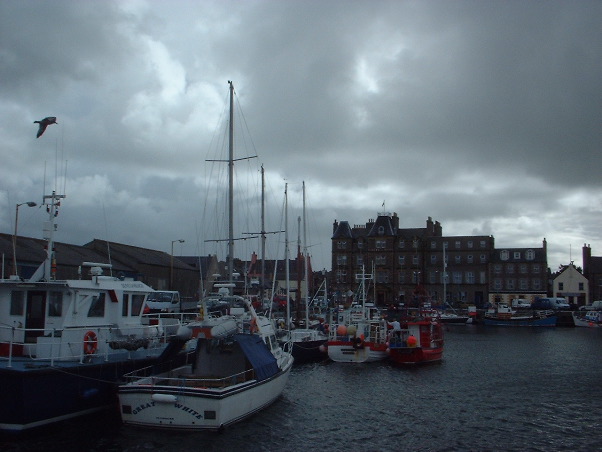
104 214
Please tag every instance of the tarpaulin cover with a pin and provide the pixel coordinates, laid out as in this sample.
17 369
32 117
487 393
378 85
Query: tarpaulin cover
258 354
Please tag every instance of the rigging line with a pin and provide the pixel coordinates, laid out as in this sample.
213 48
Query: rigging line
244 121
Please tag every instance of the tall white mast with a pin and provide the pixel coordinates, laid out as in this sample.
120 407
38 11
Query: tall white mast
444 278
231 187
286 260
263 233
306 262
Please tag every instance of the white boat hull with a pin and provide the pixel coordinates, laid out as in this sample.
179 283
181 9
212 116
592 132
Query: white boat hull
189 408
348 354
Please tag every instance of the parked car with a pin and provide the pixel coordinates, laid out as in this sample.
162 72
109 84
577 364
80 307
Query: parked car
216 306
519 303
557 303
595 306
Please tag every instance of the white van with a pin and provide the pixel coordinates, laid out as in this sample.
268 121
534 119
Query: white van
560 304
163 301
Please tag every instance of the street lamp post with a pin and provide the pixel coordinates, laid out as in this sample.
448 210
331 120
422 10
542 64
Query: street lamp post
171 264
29 204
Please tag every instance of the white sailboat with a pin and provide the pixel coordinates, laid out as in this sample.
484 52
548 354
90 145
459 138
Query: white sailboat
239 367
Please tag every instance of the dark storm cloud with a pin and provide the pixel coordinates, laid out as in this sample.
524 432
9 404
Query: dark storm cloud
484 115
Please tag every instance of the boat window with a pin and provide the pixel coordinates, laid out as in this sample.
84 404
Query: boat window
137 302
97 307
17 298
55 307
125 305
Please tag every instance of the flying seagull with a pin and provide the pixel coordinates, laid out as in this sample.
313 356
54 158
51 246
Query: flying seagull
45 123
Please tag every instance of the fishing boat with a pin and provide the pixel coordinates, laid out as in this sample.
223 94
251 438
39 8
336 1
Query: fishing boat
418 340
591 319
358 334
453 317
503 315
238 369
64 344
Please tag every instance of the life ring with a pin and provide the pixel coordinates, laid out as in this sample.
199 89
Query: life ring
358 343
90 343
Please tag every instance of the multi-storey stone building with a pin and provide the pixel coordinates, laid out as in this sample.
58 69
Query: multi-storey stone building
518 273
407 265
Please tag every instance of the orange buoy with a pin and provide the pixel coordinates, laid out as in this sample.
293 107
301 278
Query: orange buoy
341 330
412 341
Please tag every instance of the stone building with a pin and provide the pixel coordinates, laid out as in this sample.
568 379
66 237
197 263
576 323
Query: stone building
406 265
410 265
518 273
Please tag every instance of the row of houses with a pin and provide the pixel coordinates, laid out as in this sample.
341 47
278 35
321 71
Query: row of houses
407 265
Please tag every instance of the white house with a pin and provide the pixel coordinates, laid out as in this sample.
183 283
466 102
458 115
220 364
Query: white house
572 285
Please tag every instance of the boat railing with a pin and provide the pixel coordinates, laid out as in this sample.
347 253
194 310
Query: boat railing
163 317
145 377
78 343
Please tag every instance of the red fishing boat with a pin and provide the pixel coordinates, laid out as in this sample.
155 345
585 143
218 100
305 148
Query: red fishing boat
420 340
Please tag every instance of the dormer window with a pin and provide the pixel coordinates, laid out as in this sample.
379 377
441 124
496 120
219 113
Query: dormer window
381 230
504 255
529 255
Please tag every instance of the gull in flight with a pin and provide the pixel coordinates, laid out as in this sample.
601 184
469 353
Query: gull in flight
45 123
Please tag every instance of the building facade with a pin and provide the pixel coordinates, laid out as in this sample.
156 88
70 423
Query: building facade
518 273
411 265
572 285
407 265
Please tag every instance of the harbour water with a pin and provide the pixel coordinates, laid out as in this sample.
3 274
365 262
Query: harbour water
497 389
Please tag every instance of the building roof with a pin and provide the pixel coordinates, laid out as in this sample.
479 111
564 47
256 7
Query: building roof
204 262
382 227
342 231
33 252
134 256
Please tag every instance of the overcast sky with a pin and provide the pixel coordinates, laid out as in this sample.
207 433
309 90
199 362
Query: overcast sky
484 115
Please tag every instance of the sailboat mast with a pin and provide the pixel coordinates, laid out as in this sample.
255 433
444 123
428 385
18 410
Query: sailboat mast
286 261
298 296
231 187
444 278
262 231
306 262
